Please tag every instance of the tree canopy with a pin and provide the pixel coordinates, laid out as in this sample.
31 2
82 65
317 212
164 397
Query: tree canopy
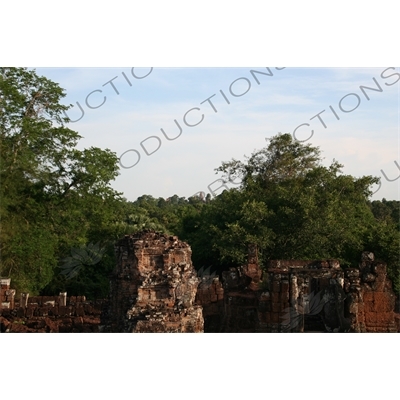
53 196
294 207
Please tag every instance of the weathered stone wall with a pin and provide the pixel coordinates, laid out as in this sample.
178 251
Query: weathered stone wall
371 301
153 287
210 295
49 313
233 305
304 295
298 296
7 295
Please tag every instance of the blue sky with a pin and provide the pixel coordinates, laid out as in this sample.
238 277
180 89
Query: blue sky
365 140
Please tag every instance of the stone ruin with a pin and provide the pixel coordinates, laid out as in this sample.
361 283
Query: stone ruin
47 314
370 301
300 296
156 289
153 287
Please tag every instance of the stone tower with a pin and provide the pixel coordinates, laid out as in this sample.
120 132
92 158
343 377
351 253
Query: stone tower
153 287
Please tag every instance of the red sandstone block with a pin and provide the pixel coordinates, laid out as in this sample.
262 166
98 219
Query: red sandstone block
369 306
370 318
88 308
383 305
284 297
267 317
220 296
361 316
64 311
5 312
30 312
50 311
80 311
262 317
285 286
380 307
41 311
67 321
78 321
276 298
276 287
368 296
385 318
284 306
275 317
378 286
381 296
45 298
379 269
276 307
380 278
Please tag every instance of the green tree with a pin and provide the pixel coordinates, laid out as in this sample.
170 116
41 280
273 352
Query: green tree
52 195
387 211
293 207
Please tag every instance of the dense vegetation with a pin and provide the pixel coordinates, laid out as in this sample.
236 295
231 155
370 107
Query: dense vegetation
60 216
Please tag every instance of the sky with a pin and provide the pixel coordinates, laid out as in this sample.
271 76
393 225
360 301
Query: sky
171 127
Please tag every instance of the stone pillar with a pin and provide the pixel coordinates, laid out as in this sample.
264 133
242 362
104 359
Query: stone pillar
154 286
252 269
4 304
24 300
5 283
376 299
306 286
354 300
62 302
4 286
11 298
294 291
